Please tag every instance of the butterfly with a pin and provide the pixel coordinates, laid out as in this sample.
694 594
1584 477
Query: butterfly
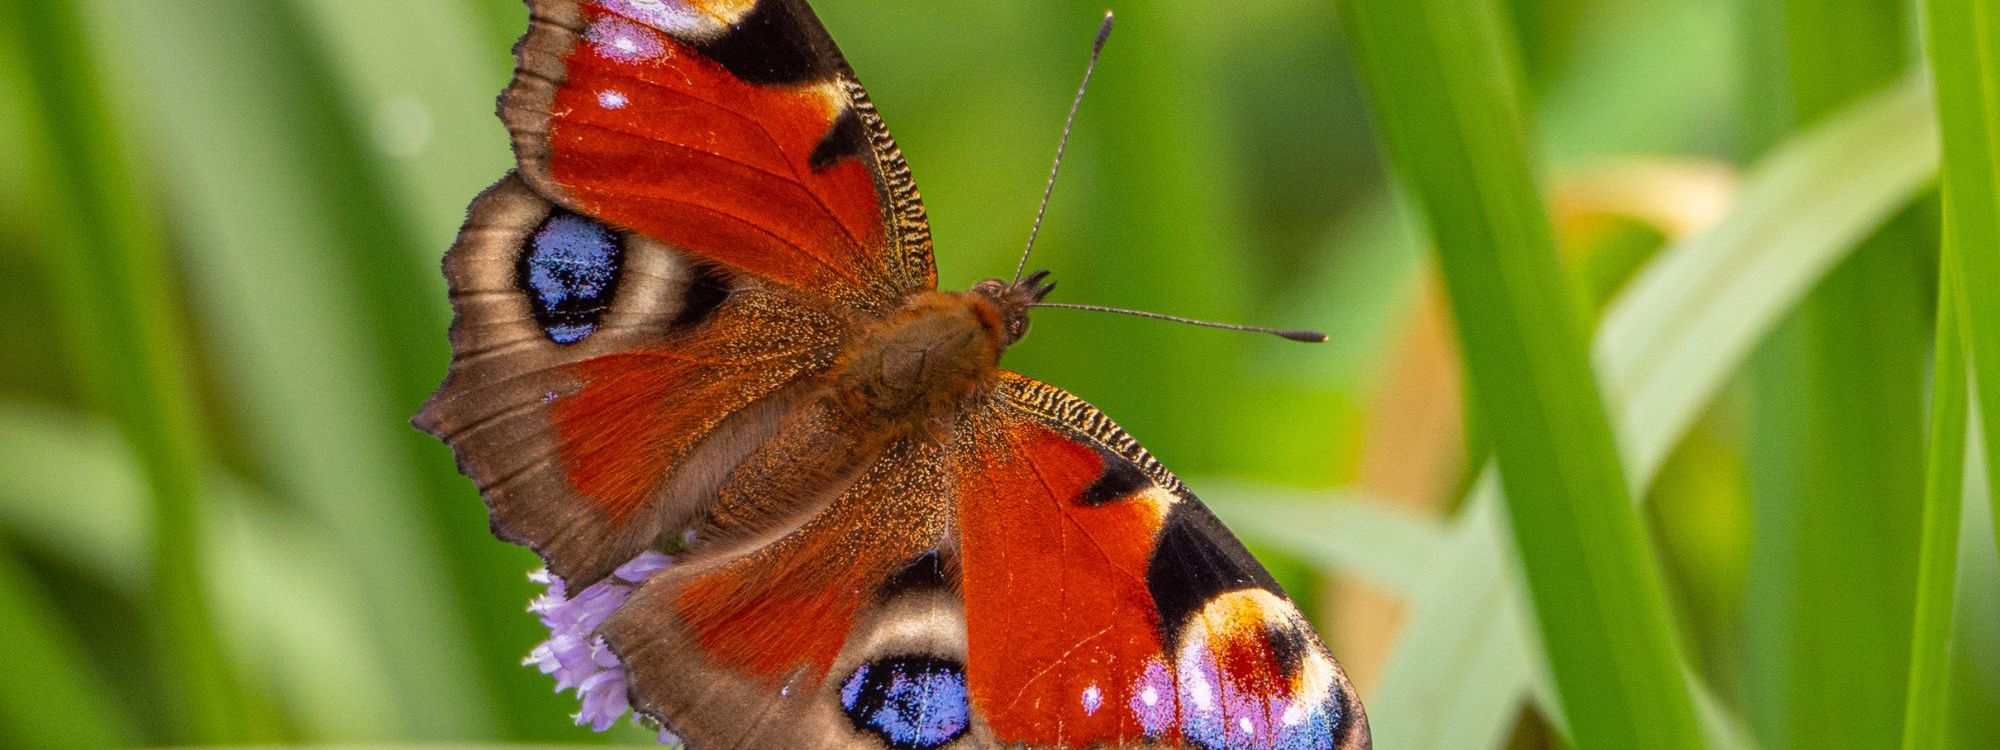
700 318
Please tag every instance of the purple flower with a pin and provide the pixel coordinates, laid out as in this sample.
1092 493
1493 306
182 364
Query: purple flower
575 654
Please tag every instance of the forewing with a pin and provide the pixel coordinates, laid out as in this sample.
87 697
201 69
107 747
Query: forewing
1106 607
602 384
732 129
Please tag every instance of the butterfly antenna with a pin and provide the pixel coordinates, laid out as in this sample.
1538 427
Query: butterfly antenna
1310 337
1096 50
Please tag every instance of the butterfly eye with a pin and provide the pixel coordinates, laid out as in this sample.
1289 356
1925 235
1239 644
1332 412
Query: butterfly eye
569 270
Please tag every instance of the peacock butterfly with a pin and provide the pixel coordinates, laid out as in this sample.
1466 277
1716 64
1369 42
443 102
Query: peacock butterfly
786 495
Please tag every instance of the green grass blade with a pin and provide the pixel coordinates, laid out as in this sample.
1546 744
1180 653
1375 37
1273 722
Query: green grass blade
125 339
1686 323
69 488
1975 678
1467 660
51 697
1442 86
1960 38
1964 44
430 148
322 311
1665 347
1928 698
1836 420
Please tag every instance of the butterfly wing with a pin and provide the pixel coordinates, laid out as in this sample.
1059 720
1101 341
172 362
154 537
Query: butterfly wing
705 198
732 129
785 641
1035 581
601 383
1106 606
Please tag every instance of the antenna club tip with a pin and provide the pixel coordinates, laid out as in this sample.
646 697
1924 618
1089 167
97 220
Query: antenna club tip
1104 30
1310 337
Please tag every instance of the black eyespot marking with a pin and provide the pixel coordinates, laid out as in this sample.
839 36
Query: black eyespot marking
847 139
569 270
926 573
1339 706
1120 479
1195 560
909 702
774 45
705 294
1288 647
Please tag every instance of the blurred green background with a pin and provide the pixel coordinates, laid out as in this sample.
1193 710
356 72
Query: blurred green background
220 225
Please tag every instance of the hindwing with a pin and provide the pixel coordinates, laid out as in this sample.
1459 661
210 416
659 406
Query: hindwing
1036 581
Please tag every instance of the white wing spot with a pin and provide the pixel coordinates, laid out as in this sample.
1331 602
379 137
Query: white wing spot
1203 694
1294 714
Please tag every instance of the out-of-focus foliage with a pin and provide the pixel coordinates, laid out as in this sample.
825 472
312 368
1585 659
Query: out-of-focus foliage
220 222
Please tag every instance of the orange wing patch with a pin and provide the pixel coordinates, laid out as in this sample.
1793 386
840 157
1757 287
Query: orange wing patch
1059 620
1106 607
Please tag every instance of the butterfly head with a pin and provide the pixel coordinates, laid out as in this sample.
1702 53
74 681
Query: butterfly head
1013 299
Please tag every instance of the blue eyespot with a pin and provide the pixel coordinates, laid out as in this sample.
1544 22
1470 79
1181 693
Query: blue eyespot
569 271
911 703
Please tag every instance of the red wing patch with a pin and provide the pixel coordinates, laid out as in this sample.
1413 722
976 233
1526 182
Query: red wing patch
729 129
1059 620
681 150
791 604
1105 606
635 415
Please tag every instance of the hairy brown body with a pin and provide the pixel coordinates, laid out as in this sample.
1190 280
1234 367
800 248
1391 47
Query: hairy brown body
914 370
906 376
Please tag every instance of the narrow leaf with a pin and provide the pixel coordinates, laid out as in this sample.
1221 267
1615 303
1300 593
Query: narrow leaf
51 697
1664 348
1446 103
69 487
1926 709
124 335
1963 38
317 302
